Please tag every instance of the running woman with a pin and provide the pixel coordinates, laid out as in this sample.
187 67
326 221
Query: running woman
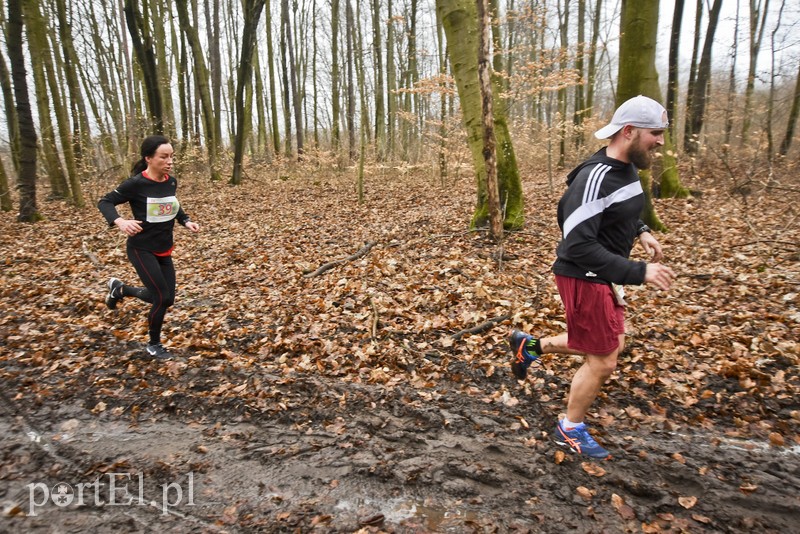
150 191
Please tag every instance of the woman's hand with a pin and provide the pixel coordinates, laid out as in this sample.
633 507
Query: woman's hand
128 227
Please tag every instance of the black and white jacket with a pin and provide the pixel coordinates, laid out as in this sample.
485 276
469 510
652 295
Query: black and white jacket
599 216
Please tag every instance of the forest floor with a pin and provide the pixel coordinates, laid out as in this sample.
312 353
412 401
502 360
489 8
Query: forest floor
352 399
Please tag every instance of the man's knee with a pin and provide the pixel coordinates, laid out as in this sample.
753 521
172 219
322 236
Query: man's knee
604 366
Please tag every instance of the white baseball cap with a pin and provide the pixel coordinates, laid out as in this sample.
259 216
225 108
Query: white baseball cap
639 111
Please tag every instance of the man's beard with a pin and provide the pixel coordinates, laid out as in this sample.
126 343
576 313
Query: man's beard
638 156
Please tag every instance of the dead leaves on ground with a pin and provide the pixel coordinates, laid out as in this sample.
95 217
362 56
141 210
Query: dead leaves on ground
723 341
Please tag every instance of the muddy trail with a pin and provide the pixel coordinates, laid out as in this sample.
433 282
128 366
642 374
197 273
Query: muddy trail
376 396
384 461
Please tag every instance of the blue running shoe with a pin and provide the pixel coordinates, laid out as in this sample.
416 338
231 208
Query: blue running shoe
580 441
522 359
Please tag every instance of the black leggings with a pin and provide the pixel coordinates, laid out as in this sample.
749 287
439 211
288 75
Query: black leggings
158 275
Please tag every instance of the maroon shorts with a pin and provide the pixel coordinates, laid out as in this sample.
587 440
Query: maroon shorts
594 318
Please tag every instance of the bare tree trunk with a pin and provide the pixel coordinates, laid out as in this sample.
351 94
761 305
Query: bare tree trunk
5 190
27 132
215 64
184 91
443 101
129 99
411 104
756 35
201 82
511 20
391 83
731 85
458 18
252 15
580 104
380 110
81 137
773 76
287 106
687 128
364 118
335 110
563 27
11 113
273 95
793 114
351 104
298 115
592 68
143 50
161 12
638 75
698 110
673 68
38 47
489 153
261 112
314 55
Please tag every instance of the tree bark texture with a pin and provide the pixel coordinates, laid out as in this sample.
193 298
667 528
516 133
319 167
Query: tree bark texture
489 156
252 17
27 131
143 51
459 18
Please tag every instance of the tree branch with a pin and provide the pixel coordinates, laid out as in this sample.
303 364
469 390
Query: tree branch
481 327
331 264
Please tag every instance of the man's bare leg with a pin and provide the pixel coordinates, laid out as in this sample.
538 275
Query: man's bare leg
588 380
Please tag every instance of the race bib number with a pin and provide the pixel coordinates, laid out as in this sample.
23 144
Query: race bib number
162 209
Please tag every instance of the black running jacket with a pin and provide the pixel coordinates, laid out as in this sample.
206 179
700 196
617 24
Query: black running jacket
599 216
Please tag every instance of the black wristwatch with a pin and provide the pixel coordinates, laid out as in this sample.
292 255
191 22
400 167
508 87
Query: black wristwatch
642 229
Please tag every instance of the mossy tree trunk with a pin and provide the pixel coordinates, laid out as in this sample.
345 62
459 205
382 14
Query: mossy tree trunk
638 75
460 21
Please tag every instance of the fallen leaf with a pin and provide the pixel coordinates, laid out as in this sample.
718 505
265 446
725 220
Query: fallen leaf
678 457
748 488
687 502
625 511
776 439
372 520
585 492
560 456
701 518
593 469
319 519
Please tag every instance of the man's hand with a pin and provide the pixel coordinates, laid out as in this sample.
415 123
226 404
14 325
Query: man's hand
651 246
659 275
193 226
